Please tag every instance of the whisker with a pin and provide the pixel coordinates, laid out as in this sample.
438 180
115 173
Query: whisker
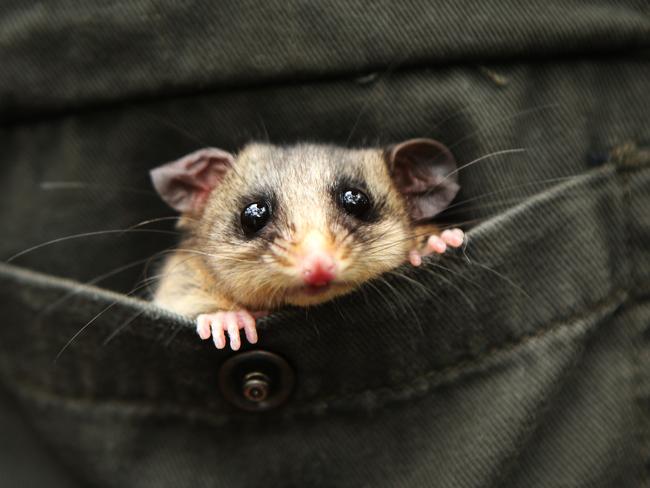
284 249
430 262
86 234
500 275
93 281
403 276
512 187
145 282
366 104
266 132
92 320
406 302
123 326
452 284
376 249
477 160
167 123
454 115
464 222
509 118
182 131
384 300
139 286
82 185
172 336
215 256
160 219
339 311
500 204
312 322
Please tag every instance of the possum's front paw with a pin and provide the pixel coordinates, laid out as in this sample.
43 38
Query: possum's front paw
218 323
437 244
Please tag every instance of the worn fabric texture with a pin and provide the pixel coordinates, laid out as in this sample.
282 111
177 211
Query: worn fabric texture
522 360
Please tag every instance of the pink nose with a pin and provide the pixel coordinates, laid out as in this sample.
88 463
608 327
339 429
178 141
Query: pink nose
318 269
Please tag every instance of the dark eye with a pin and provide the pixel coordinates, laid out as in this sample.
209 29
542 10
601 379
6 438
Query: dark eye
355 202
254 217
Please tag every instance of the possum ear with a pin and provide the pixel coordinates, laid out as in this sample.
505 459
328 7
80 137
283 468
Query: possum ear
186 183
424 171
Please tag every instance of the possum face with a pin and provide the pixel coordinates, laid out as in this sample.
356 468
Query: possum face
303 224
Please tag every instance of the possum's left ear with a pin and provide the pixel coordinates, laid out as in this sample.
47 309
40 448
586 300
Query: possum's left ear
186 183
424 172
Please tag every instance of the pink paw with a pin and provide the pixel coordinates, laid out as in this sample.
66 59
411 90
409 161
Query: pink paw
438 244
217 324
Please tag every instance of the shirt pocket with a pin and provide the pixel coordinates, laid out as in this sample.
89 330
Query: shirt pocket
516 353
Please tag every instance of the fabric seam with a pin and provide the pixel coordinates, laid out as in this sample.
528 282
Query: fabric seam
385 394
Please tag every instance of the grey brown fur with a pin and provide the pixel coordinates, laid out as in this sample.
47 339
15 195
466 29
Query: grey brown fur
218 268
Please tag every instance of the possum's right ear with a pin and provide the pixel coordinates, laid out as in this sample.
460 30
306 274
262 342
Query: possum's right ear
186 183
424 171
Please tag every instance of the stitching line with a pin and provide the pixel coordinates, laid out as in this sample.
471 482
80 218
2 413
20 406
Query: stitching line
626 158
382 395
448 373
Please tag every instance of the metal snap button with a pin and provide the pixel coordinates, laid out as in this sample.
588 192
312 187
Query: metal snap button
256 381
256 386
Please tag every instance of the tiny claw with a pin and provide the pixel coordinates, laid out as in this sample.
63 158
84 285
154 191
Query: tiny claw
248 324
218 331
415 258
203 326
453 237
218 323
436 244
231 323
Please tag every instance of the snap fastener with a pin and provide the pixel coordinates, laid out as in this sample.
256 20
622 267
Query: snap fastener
256 381
256 386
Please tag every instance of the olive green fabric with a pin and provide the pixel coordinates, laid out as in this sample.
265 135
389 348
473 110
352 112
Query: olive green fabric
76 53
519 361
